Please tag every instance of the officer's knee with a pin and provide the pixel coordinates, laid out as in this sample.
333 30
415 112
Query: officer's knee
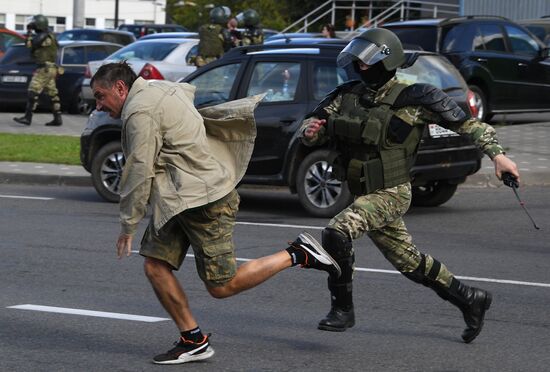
337 244
219 292
155 270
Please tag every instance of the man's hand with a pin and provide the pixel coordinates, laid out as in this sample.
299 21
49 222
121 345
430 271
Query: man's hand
313 127
124 244
504 164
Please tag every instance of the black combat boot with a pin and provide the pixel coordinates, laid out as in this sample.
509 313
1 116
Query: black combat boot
341 315
56 120
27 118
473 302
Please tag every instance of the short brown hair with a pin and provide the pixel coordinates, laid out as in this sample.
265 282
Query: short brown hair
110 73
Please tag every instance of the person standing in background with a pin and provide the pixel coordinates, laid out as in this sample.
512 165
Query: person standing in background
43 45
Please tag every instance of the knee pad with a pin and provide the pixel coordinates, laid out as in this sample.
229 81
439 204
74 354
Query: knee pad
338 245
419 275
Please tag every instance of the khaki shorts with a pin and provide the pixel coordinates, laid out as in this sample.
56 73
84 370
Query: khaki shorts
209 230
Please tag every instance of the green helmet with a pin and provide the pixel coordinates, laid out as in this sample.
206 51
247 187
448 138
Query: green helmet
39 23
372 46
249 18
220 15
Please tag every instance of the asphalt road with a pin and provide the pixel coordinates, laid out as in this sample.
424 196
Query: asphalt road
60 252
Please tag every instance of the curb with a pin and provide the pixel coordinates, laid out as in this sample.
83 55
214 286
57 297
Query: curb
44 179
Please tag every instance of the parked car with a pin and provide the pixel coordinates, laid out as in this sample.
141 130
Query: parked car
540 27
8 38
140 30
111 36
505 65
293 35
163 59
444 159
17 67
171 35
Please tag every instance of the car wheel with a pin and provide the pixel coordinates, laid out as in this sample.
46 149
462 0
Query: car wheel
320 194
107 170
480 103
432 194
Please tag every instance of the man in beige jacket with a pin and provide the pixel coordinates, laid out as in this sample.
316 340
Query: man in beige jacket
185 164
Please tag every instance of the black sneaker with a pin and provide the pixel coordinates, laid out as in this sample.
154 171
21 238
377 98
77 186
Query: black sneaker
316 256
186 351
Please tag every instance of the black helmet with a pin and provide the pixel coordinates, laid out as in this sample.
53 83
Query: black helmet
372 46
220 15
249 18
39 23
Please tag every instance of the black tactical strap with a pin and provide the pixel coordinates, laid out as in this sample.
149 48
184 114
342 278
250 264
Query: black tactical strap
433 99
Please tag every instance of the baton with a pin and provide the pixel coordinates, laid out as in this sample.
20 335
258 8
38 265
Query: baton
511 181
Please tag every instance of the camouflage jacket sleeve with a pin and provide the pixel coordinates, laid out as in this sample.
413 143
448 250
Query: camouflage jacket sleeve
331 107
483 135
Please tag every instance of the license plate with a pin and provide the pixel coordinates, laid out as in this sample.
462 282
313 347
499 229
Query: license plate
14 79
436 131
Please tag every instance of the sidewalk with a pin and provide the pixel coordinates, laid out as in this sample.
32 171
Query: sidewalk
525 140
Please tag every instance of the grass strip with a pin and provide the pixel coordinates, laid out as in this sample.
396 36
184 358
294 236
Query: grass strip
38 148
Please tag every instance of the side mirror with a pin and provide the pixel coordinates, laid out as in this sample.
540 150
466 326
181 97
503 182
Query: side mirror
544 53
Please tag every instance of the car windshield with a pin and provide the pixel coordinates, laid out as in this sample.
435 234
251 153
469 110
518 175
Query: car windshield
434 70
153 51
17 54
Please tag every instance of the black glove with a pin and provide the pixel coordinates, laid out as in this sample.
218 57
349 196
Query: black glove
509 180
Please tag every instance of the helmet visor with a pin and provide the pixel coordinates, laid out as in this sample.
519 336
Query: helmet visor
364 51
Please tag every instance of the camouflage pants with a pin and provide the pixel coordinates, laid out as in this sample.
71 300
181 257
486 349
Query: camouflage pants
380 215
209 231
43 80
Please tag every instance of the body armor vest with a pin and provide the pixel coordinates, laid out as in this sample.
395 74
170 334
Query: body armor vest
252 36
44 53
373 149
210 43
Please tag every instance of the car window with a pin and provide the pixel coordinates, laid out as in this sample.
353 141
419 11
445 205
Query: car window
434 70
145 51
493 39
425 37
214 86
17 54
461 38
278 79
6 40
538 31
99 52
521 42
192 55
326 77
74 56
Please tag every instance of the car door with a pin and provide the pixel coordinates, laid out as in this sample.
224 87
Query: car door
502 65
533 70
282 79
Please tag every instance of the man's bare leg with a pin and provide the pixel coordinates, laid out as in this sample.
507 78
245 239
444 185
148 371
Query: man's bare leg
170 293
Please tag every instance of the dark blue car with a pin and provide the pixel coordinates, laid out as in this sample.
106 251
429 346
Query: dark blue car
17 66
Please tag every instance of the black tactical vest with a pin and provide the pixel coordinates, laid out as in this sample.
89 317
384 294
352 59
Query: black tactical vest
373 149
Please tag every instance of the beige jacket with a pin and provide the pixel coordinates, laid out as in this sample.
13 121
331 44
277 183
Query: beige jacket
176 157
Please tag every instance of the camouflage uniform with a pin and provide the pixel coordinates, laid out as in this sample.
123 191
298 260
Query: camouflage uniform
43 47
380 214
252 36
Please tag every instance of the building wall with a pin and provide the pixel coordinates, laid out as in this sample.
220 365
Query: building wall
98 13
513 9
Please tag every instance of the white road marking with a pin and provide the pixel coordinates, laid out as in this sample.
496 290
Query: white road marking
100 314
472 278
281 225
25 197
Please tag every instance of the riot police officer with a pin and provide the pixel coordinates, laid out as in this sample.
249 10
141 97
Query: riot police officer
373 126
253 33
214 38
43 45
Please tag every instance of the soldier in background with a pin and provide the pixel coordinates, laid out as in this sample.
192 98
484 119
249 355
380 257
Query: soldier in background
253 33
214 38
44 47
